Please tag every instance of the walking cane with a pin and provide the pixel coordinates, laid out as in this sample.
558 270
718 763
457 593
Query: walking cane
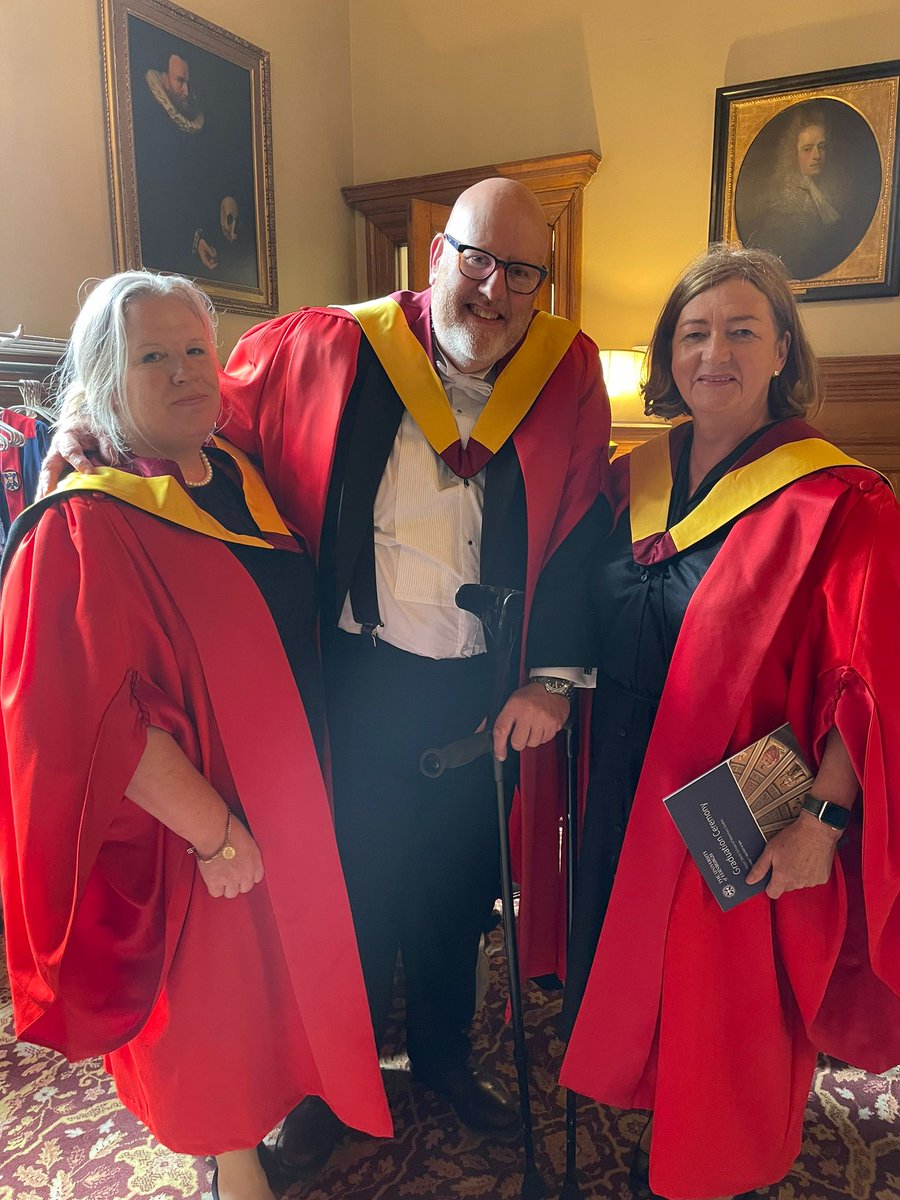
570 1188
501 612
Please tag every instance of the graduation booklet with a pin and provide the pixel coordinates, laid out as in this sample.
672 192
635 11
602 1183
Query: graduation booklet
727 815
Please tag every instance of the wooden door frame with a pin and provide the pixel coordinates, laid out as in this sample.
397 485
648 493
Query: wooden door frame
558 181
426 219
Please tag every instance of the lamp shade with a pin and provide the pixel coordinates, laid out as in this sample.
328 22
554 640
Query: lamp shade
622 373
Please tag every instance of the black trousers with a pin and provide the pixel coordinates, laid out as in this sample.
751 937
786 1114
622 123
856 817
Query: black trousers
420 856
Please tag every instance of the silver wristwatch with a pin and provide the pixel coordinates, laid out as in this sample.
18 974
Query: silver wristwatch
555 686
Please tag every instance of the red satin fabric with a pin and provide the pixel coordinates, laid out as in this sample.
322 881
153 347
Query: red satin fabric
217 1015
713 1019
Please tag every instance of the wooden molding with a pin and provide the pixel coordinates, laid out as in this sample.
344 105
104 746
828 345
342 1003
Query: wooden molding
558 181
628 435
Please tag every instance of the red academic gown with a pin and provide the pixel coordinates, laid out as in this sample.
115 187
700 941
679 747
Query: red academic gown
285 388
713 1019
217 1016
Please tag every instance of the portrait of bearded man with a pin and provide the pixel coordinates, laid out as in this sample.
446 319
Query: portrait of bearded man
172 90
193 158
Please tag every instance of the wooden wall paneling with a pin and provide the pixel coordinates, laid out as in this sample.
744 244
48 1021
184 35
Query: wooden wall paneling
861 413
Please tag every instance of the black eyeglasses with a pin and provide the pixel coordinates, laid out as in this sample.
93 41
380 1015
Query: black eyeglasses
521 277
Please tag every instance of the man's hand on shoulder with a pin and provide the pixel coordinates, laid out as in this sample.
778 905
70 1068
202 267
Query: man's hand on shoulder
69 447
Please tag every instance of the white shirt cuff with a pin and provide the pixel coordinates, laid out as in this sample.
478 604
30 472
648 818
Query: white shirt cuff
584 677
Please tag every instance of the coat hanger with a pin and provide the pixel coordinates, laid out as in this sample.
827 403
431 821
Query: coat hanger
19 340
10 436
31 392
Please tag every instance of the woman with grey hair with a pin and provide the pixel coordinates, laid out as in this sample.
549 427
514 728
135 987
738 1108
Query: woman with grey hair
749 580
171 885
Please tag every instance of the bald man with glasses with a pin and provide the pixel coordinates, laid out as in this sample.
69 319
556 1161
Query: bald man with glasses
421 442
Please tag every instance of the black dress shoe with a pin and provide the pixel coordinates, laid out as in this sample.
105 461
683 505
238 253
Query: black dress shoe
308 1136
479 1099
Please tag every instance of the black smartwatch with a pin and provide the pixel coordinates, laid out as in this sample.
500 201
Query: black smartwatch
826 812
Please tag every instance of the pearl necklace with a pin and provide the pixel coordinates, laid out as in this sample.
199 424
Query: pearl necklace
207 473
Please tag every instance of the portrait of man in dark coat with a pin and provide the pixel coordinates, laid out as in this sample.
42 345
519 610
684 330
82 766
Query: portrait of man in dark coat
809 185
193 158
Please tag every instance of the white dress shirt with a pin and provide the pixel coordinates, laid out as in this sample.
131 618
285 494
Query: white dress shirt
428 535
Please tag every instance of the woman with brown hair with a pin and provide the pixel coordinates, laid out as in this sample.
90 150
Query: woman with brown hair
750 579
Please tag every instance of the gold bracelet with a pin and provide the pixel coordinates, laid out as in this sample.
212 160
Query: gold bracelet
226 850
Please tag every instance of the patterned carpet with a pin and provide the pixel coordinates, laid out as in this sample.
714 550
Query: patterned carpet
64 1136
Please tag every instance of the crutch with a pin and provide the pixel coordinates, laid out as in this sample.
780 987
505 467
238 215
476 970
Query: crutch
500 611
570 1188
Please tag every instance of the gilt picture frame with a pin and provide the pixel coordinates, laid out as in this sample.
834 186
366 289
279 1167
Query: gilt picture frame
189 149
807 166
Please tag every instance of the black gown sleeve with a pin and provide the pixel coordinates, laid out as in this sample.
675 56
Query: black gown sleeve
563 630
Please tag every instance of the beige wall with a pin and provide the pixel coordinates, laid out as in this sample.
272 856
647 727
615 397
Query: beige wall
55 227
438 86
434 86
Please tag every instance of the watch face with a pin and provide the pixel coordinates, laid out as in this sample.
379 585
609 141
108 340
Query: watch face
835 816
554 685
828 813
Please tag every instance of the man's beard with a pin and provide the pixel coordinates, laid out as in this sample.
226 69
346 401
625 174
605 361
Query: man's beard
186 105
471 346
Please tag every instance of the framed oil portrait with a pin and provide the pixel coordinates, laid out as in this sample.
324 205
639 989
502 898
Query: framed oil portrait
807 167
189 140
